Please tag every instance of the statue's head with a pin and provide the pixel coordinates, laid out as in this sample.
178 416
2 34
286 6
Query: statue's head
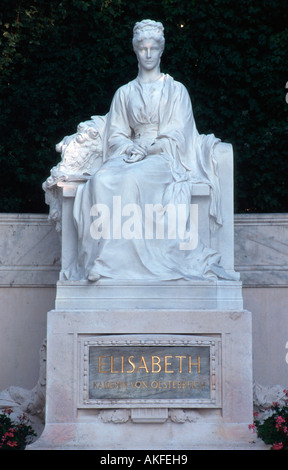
148 29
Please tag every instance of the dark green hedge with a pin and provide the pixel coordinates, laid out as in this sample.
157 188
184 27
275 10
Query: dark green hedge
61 62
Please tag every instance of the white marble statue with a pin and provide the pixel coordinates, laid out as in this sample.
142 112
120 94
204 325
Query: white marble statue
152 154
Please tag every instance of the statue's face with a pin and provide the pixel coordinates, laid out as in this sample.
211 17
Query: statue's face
148 54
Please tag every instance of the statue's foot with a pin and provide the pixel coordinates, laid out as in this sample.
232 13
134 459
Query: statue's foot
93 276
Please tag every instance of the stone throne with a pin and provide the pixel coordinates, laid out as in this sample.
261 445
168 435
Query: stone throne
81 157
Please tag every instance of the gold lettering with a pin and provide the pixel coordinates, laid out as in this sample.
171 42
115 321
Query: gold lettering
180 362
144 365
157 364
142 384
100 365
168 364
194 364
132 364
155 361
112 366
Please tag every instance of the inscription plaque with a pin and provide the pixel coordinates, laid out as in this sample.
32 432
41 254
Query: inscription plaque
149 372
180 371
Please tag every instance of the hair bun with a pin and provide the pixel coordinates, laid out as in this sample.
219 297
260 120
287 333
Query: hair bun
147 29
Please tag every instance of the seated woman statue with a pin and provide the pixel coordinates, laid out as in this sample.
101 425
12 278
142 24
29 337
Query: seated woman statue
134 216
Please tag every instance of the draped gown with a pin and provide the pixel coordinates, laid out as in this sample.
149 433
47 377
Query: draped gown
116 231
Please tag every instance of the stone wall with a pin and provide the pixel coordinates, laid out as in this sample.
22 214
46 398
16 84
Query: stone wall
29 267
261 256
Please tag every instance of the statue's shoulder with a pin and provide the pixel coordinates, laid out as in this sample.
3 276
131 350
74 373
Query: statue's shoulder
174 83
124 89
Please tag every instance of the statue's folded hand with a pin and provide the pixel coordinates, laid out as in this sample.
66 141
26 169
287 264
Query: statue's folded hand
135 157
155 148
136 154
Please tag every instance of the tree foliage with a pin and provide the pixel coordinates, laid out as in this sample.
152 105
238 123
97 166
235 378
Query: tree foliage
62 60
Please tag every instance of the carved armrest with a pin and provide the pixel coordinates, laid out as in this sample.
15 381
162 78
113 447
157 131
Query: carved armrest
81 156
223 242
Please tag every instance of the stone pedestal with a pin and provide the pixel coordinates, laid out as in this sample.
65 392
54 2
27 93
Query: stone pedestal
139 378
